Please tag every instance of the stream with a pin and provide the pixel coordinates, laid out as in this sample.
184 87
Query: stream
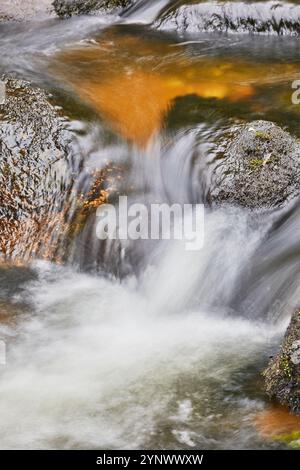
147 345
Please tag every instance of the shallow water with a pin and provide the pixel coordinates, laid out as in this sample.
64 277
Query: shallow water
147 345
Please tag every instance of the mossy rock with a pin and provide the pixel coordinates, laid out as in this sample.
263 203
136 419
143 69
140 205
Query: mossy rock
292 439
258 167
282 376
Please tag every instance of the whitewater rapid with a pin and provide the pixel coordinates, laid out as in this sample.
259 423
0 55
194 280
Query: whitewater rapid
104 364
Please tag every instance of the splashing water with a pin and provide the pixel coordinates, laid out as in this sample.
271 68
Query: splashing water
158 363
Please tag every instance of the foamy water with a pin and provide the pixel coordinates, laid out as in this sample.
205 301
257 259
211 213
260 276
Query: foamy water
104 364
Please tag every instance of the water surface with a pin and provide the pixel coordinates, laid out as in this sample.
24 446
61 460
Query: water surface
146 345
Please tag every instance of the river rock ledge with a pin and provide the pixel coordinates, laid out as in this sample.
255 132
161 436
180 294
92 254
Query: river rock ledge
282 376
68 8
35 147
258 167
252 17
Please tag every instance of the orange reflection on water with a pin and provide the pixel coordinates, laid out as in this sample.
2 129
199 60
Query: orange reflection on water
136 104
276 421
133 82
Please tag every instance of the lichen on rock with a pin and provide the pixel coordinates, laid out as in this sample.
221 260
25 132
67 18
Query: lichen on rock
258 167
282 376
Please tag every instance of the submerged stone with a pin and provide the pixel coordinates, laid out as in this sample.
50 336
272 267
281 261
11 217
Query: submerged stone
293 440
258 167
277 423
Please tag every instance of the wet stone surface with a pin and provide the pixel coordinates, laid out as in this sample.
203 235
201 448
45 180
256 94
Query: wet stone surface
268 17
282 376
34 146
67 8
258 167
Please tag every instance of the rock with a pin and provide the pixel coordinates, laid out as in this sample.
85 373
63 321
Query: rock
67 8
282 376
24 9
258 167
295 352
34 149
271 17
292 439
47 204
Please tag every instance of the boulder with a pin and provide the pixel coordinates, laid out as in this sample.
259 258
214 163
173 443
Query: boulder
34 150
24 9
282 376
258 167
270 17
67 8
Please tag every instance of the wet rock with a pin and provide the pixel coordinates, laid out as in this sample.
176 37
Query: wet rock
258 167
67 8
34 149
295 352
282 376
24 9
271 17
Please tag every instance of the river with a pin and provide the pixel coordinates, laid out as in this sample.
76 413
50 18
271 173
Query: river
148 345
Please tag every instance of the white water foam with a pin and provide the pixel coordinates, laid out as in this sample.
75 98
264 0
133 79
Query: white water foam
101 364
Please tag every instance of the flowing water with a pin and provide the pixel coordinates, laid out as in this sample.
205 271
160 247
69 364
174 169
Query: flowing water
147 345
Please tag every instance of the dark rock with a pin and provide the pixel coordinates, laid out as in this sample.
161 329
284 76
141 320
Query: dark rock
34 147
67 8
282 18
258 167
282 376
